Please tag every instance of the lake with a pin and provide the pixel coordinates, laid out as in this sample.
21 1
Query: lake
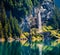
29 48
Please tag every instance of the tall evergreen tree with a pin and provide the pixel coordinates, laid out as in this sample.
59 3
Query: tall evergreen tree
1 31
56 18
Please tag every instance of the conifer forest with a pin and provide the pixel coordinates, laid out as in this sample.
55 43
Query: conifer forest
29 27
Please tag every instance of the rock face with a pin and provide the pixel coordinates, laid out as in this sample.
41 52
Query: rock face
40 15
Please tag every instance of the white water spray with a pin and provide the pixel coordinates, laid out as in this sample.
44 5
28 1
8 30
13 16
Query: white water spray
39 21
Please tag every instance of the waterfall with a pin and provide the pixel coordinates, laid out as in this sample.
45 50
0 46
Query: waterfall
39 21
41 10
40 46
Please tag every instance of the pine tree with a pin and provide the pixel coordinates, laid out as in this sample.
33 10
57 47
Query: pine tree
56 17
3 20
1 31
16 27
9 30
3 14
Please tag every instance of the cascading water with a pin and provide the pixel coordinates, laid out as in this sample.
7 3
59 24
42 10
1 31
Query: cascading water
39 21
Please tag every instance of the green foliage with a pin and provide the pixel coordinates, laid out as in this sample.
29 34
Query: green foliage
36 2
1 30
23 6
55 21
8 26
0 26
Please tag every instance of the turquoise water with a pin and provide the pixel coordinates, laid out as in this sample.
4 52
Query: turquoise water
16 48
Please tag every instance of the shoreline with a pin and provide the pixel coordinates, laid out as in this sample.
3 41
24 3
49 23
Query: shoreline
12 39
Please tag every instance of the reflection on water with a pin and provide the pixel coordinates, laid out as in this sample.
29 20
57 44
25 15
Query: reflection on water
40 46
29 48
